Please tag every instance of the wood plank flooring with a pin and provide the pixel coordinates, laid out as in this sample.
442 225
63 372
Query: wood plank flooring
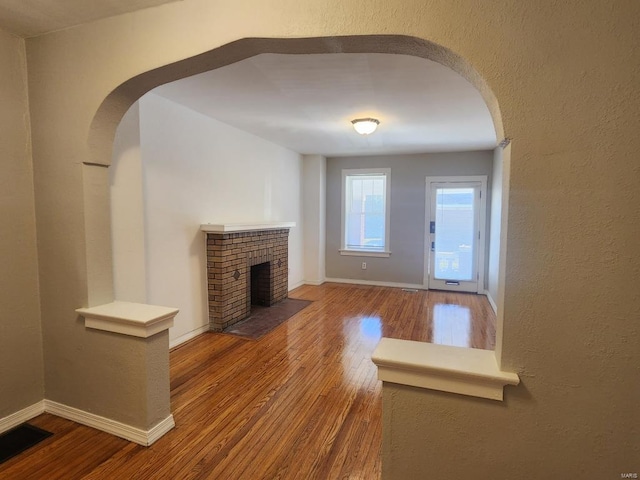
303 402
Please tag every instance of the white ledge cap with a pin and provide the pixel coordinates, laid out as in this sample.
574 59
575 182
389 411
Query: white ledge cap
467 371
244 227
135 319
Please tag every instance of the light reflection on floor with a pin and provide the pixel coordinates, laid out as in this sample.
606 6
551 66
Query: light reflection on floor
361 335
444 318
371 328
451 325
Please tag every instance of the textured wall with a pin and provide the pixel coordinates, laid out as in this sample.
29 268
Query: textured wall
565 75
21 375
407 217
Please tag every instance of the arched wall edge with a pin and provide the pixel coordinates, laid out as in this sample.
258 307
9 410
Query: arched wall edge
115 105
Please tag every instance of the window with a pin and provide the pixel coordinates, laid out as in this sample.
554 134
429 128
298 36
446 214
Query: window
365 212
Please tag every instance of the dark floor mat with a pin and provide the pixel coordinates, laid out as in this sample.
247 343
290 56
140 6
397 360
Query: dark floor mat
265 319
19 439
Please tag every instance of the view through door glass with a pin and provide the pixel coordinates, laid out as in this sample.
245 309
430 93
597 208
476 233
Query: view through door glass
454 235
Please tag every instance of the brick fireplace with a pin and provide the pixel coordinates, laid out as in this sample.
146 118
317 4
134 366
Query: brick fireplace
245 264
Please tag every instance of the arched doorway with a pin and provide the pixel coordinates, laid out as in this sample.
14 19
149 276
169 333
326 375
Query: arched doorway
113 107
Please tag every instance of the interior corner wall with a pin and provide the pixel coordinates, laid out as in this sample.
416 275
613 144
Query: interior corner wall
495 219
198 170
21 355
127 211
314 207
407 222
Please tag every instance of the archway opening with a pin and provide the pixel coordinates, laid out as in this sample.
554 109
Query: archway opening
111 111
204 157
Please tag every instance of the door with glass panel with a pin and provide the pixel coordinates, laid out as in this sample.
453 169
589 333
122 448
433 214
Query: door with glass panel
455 233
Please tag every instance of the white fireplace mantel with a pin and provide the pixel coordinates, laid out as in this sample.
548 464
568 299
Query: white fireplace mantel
244 227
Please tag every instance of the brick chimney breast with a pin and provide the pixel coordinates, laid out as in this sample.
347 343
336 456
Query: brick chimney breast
230 258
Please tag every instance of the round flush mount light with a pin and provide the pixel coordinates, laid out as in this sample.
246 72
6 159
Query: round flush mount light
365 126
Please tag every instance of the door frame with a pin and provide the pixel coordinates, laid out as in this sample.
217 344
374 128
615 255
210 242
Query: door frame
482 224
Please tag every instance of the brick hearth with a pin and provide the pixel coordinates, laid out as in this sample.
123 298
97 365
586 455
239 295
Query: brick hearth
230 257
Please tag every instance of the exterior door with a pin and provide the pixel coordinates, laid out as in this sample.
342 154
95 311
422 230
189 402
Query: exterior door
456 209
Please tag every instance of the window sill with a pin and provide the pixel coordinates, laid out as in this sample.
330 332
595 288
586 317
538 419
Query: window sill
466 371
364 253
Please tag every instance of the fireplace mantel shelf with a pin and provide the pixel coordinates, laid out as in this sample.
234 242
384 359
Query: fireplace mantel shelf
244 227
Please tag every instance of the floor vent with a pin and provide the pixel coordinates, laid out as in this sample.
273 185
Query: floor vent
19 439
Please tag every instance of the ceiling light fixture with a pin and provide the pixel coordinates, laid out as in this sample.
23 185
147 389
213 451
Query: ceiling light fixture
365 126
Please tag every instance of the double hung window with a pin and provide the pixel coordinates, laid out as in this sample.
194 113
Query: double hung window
365 212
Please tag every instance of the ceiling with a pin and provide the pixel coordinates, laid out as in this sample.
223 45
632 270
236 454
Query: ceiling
30 18
306 103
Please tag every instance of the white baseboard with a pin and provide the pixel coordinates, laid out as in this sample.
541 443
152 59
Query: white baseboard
188 336
293 286
314 282
21 416
376 283
491 302
133 434
160 429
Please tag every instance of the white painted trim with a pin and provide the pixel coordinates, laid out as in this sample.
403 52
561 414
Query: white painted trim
374 283
188 336
387 221
127 318
491 302
245 227
466 371
21 416
313 282
365 253
160 429
133 434
482 227
295 285
426 259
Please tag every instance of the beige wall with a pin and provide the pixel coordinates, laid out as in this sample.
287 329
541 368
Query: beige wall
21 377
565 76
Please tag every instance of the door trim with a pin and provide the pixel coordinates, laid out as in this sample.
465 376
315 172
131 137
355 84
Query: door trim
482 224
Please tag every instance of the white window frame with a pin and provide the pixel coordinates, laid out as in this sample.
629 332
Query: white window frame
386 252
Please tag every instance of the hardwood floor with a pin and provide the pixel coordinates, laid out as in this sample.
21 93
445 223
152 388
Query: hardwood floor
303 402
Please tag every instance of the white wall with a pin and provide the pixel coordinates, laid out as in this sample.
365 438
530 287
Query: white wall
314 204
198 170
127 211
495 218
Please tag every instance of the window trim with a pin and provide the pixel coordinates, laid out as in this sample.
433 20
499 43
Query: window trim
386 252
